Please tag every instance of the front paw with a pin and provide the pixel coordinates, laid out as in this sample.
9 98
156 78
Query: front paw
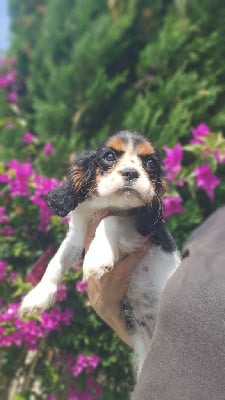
38 299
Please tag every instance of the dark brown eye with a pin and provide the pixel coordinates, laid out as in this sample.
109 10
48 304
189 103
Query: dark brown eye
109 157
150 164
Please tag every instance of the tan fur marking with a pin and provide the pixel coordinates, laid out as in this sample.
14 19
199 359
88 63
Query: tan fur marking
78 181
145 149
77 178
117 144
162 188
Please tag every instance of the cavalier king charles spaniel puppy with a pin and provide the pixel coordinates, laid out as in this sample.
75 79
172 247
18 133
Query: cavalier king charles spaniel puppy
124 175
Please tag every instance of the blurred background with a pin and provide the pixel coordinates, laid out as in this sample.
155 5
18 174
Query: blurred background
73 72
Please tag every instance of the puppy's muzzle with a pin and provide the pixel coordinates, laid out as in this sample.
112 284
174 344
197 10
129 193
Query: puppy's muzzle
130 175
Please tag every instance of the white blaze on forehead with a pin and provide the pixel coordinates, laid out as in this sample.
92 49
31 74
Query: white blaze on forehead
112 181
129 158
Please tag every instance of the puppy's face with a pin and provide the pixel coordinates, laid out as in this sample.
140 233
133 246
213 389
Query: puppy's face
128 166
125 172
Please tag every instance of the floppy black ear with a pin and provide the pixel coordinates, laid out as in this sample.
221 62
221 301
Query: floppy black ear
149 216
150 221
76 188
62 200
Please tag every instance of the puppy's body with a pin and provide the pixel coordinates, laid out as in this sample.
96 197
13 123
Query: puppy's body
123 175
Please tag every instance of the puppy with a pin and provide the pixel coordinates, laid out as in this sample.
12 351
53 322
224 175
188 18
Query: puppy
124 175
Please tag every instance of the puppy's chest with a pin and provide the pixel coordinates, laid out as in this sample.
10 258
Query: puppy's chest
147 282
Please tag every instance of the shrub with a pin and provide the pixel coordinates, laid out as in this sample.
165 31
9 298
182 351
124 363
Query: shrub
65 352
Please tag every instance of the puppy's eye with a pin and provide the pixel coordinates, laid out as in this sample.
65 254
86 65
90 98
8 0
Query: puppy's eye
150 164
109 157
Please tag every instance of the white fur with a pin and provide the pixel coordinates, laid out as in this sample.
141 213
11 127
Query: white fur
115 236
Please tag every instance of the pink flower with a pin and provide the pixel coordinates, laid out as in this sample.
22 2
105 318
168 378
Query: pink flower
66 316
81 286
201 131
8 79
51 320
12 97
14 275
15 331
10 312
42 187
29 332
3 269
96 387
172 161
9 339
19 185
172 205
8 231
4 178
61 292
23 171
94 360
3 217
220 158
54 319
48 149
45 212
28 137
85 362
206 180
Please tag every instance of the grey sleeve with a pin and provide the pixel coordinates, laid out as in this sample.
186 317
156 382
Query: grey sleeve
186 359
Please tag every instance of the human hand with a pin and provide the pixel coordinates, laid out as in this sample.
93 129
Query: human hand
107 293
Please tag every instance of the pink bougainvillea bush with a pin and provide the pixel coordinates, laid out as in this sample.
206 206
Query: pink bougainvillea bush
195 172
67 352
64 352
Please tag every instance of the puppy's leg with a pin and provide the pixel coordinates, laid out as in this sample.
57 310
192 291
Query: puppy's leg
103 250
70 251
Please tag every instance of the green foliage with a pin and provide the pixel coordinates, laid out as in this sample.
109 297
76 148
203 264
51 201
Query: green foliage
81 63
96 67
87 69
86 334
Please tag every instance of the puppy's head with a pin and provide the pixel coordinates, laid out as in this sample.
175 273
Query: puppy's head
129 166
125 172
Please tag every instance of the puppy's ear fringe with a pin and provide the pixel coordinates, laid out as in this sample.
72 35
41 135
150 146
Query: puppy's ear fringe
163 187
74 190
61 199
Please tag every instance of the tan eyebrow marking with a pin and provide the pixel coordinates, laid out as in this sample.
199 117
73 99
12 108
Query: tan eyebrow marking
145 149
117 144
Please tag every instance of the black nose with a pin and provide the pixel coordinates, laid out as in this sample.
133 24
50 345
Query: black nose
130 174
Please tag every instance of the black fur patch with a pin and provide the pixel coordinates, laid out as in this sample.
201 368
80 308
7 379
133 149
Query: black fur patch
162 237
61 199
128 314
66 197
149 220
